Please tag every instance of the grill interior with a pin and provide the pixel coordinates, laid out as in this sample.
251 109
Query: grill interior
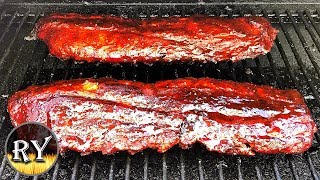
293 63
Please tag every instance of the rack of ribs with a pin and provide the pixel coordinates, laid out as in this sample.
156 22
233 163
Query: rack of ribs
113 39
90 115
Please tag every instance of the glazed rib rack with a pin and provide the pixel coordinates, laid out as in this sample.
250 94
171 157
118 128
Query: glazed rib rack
293 63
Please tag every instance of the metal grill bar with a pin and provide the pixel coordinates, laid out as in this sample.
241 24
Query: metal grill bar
245 68
6 78
182 166
75 168
17 176
93 168
260 70
27 59
240 177
13 39
307 25
292 167
7 26
313 22
303 41
276 170
145 166
111 169
221 176
56 169
285 59
298 58
40 65
3 164
128 164
201 173
312 168
259 175
275 71
164 166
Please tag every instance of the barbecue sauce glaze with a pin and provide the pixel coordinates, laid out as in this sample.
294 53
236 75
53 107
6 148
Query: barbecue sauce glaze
108 115
114 39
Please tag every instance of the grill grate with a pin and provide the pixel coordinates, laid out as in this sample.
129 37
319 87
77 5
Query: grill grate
293 63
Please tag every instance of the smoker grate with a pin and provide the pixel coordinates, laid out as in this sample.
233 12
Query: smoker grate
293 63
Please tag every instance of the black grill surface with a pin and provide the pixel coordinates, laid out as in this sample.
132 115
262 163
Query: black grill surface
293 63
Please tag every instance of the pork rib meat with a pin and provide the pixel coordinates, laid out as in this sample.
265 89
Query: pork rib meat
114 39
90 115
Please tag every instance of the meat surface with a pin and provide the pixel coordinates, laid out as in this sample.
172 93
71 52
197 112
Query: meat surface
114 39
108 115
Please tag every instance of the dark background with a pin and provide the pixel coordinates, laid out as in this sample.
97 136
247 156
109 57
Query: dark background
170 1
